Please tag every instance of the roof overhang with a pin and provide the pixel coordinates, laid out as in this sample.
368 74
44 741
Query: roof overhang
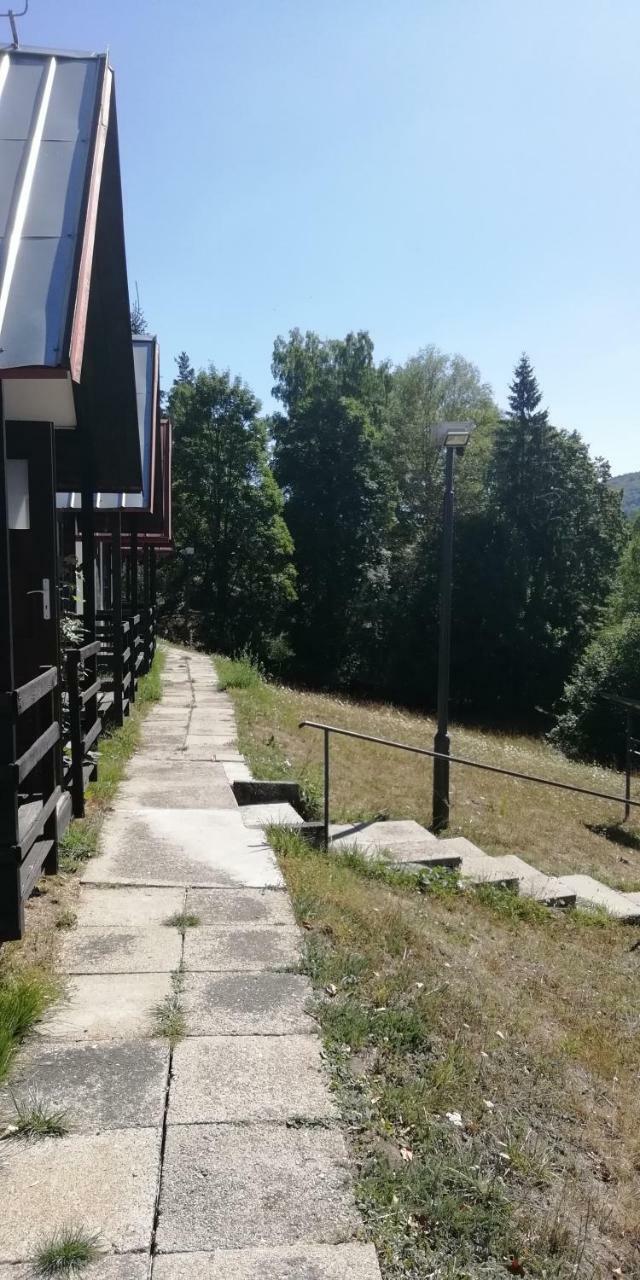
65 344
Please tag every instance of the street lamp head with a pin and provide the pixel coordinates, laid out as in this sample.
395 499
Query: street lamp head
453 435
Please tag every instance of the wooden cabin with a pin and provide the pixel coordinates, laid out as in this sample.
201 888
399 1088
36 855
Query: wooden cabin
68 413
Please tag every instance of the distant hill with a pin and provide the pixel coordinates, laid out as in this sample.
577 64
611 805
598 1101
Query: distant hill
630 485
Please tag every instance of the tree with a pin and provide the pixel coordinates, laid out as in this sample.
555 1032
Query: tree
329 459
589 725
554 536
186 371
240 581
430 387
138 321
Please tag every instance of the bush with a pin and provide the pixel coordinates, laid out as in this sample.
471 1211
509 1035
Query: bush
589 727
238 673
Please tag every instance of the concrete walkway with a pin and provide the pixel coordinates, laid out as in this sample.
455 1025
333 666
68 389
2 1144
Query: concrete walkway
221 1159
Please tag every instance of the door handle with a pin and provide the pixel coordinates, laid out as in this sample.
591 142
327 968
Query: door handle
45 592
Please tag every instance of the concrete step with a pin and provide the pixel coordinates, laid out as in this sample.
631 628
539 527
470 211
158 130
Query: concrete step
591 893
631 897
277 814
476 867
403 841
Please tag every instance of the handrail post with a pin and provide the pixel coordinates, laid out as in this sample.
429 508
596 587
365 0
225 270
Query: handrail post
327 783
75 728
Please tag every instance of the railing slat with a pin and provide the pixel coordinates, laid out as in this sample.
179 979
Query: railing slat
28 694
36 751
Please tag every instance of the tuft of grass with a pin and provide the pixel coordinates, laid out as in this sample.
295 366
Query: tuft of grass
182 920
67 919
36 1119
23 1000
238 673
170 1022
69 1251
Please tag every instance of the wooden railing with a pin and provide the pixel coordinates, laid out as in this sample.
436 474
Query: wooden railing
29 794
85 725
126 653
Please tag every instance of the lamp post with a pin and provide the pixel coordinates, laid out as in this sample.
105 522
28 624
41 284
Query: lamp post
454 437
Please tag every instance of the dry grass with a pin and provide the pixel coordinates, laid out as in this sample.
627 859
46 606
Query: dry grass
27 984
525 1023
560 833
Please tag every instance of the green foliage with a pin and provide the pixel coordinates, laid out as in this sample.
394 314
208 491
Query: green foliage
589 726
69 1251
233 591
36 1119
238 673
535 585
330 461
23 1000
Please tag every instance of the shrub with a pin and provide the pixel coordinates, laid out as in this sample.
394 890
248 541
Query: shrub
589 726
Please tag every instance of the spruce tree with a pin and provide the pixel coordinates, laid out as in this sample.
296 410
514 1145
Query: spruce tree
186 371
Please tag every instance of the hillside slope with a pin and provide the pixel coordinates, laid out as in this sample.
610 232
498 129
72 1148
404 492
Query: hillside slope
629 483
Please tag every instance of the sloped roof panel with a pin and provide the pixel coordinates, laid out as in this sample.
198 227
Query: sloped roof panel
49 107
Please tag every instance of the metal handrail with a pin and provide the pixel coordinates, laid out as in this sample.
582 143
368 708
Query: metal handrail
328 729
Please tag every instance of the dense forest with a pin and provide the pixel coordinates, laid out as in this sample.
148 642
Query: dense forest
310 538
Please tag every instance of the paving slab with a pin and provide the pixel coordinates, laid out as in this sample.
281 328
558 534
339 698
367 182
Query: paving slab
288 1262
249 1078
135 907
106 1007
592 893
121 949
633 897
253 948
237 771
261 1004
128 1266
106 1181
98 1086
274 814
228 907
229 1186
196 786
190 847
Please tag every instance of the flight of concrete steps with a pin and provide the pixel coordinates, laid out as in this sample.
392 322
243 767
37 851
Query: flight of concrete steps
410 845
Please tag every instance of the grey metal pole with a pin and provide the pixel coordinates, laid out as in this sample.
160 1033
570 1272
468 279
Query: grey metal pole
441 742
327 784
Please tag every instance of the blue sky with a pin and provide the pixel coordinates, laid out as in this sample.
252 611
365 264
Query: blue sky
462 172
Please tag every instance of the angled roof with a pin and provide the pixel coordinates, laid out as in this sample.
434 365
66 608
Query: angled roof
64 304
147 374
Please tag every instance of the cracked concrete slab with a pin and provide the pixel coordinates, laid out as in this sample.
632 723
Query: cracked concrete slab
263 1004
287 1262
278 813
135 907
226 907
98 1086
190 847
255 947
106 1007
249 1078
121 949
106 1181
196 786
231 1186
128 1266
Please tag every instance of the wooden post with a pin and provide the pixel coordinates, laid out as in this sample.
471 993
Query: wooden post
116 587
89 594
52 764
11 907
147 613
75 723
